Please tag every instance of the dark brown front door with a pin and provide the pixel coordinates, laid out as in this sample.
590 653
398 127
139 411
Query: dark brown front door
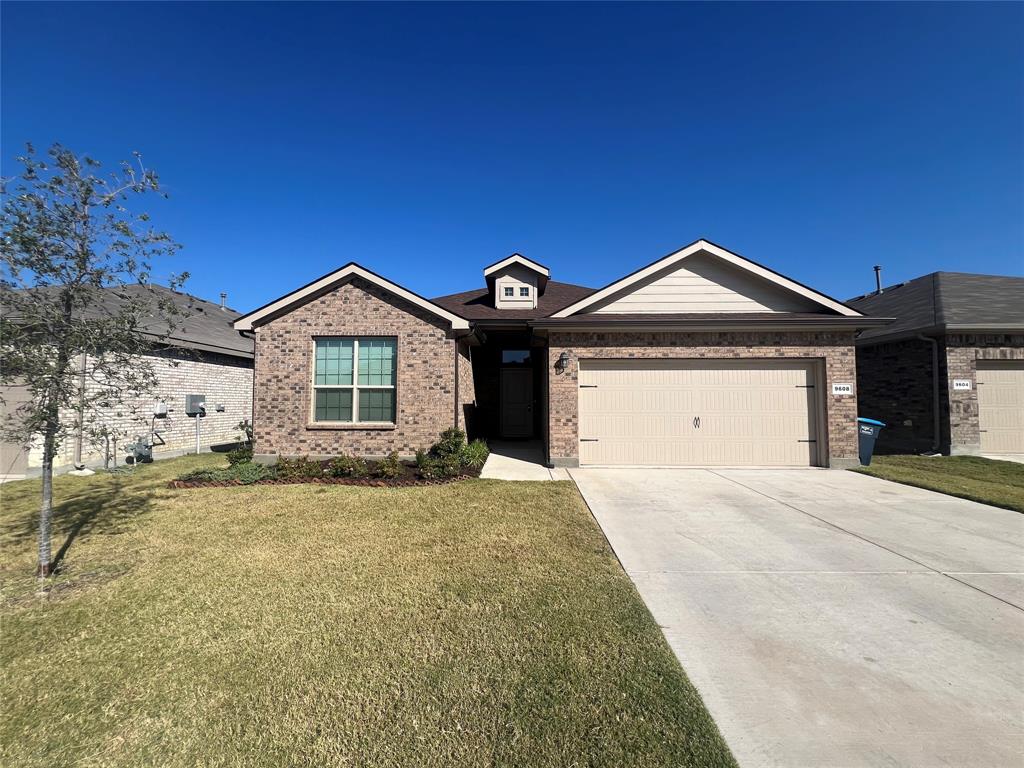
516 402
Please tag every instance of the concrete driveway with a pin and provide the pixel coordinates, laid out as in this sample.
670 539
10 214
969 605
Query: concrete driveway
828 618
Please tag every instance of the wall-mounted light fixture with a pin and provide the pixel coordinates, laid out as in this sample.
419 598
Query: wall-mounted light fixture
562 362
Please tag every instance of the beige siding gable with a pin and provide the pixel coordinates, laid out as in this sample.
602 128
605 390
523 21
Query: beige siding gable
704 283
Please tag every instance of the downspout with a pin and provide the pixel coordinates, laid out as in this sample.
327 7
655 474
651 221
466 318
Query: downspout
936 420
79 433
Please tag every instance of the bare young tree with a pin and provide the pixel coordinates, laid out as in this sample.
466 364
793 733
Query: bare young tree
77 302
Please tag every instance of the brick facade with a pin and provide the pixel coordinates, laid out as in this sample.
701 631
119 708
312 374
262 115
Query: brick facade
959 355
425 397
224 379
894 385
834 349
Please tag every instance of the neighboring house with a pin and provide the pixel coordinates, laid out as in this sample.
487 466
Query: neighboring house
948 374
204 355
701 358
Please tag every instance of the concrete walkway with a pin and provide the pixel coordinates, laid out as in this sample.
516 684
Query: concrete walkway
828 618
1017 458
519 460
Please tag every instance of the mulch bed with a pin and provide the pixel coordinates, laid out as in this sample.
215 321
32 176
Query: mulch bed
408 480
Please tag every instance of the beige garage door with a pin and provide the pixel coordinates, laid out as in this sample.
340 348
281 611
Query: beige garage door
697 413
1001 405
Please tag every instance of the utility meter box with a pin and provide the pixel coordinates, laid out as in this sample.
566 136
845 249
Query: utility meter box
160 410
195 405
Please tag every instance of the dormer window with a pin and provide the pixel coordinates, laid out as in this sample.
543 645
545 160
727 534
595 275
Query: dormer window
515 282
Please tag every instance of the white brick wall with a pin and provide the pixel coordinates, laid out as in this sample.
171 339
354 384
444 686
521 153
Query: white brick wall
225 380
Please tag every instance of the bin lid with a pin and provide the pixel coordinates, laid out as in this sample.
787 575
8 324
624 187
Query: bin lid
871 421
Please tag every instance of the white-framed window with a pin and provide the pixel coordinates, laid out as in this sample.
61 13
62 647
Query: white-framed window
354 379
524 291
509 291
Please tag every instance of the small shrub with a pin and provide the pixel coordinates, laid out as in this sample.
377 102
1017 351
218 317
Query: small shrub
475 454
450 466
249 472
347 466
198 474
451 443
390 467
421 458
239 456
245 472
301 468
428 468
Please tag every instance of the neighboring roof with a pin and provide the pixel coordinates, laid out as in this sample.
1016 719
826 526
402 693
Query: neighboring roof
692 320
947 301
332 279
203 325
479 304
704 246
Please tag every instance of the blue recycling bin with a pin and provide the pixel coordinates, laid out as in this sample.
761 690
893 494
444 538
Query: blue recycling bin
867 433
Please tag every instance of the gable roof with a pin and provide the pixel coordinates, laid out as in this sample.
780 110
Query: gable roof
517 258
704 246
479 304
332 279
947 301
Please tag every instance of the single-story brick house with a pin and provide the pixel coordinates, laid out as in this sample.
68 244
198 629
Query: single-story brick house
947 375
702 357
202 355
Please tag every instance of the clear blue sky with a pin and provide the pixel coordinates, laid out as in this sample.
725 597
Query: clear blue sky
426 141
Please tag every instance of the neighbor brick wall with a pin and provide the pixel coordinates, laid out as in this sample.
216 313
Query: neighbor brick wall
284 355
223 379
894 385
959 355
835 349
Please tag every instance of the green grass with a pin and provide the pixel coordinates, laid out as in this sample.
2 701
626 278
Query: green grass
999 483
481 623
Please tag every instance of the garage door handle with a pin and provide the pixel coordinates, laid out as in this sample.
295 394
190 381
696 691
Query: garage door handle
588 439
696 422
588 386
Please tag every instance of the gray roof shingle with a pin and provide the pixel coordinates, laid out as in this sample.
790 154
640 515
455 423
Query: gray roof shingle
946 301
203 325
479 304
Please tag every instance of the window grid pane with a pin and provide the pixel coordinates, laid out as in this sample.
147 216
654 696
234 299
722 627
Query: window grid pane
524 291
333 405
377 362
377 405
333 362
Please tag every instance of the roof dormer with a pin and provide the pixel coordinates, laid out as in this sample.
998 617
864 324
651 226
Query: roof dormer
515 282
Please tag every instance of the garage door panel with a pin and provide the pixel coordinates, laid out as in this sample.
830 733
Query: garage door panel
1001 405
696 412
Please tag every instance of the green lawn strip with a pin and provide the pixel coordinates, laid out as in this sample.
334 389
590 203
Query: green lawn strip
999 483
480 623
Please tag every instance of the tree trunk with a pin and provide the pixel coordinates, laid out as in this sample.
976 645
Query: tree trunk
46 508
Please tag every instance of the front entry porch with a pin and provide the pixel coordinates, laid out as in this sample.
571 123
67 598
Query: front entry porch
510 389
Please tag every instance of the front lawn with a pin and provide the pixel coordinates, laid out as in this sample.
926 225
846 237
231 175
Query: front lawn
479 623
999 483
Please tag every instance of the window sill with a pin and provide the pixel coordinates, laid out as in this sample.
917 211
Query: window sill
351 425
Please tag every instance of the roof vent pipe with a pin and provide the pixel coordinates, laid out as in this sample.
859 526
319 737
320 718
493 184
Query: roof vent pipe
878 279
224 299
